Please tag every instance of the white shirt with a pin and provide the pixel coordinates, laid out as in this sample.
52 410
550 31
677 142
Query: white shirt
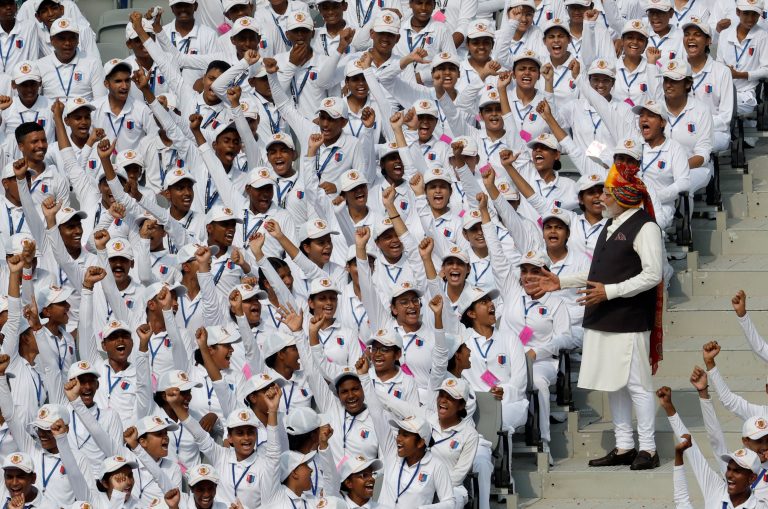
133 123
82 77
749 55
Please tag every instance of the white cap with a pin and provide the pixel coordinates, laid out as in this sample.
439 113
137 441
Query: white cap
223 335
469 145
20 460
15 245
113 326
387 21
381 226
302 420
175 176
472 294
346 372
386 337
176 379
26 71
353 68
322 284
659 5
414 424
744 458
37 3
535 258
471 218
635 25
130 33
153 423
63 25
404 287
677 70
261 177
244 23
480 29
202 472
520 3
589 181
119 247
546 139
241 417
258 382
45 295
352 179
456 252
174 2
750 5
755 428
457 388
67 214
187 252
315 229
527 54
115 463
228 4
114 63
557 213
384 149
601 66
699 23
281 138
47 415
249 107
220 127
291 460
248 292
444 57
489 95
652 106
221 213
558 23
583 3
437 174
335 107
629 147
356 464
82 368
75 104
426 107
276 342
299 19
153 290
128 157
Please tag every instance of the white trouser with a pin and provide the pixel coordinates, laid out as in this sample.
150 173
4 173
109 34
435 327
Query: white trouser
460 497
700 177
634 395
483 466
544 375
722 140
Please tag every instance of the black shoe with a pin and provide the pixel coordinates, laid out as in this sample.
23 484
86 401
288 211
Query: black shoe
644 461
613 459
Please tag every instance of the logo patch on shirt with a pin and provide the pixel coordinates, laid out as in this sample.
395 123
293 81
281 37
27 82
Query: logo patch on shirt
643 87
340 341
423 477
501 359
532 117
364 434
691 127
454 444
338 157
398 394
19 43
130 125
708 88
661 164
78 76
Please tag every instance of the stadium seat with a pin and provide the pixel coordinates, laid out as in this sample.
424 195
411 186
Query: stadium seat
112 26
110 50
93 9
144 5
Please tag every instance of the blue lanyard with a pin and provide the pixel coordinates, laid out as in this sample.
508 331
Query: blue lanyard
220 272
275 322
177 438
413 337
352 129
400 476
152 79
21 116
359 321
209 391
559 79
525 113
538 18
645 167
426 149
214 114
210 199
561 269
240 479
293 503
494 148
38 388
397 274
593 229
757 481
576 50
743 50
703 77
112 125
62 277
288 397
673 124
61 81
47 475
184 315
481 274
314 478
628 83
8 52
153 351
183 46
346 429
366 14
282 191
550 191
62 357
438 442
165 168
296 92
274 125
247 232
111 384
421 40
80 445
320 169
662 41
527 308
686 11
10 221
595 125
280 29
484 353
517 48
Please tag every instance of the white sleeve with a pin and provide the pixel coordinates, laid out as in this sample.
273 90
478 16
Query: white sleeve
756 341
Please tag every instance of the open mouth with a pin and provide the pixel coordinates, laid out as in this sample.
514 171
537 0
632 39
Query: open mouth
454 276
229 236
645 130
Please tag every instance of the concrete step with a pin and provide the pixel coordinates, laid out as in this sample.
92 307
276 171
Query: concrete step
711 316
725 274
590 503
735 236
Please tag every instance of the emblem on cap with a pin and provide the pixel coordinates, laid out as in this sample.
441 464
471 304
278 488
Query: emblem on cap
353 175
386 221
244 106
155 502
158 420
529 53
481 27
43 413
63 23
117 246
530 254
129 154
437 171
451 382
445 55
360 458
381 332
327 103
454 249
265 376
320 224
493 94
277 136
761 424
595 178
264 173
299 16
244 22
83 365
16 459
474 213
739 453
503 187
601 64
424 104
183 376
672 65
325 282
321 503
637 24
227 211
202 470
388 19
627 144
25 69
119 459
79 100
243 416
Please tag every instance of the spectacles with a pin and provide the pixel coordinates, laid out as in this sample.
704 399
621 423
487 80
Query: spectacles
382 349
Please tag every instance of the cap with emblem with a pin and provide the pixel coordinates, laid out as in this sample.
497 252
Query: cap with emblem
19 460
472 294
116 64
113 326
557 213
128 157
589 181
414 424
755 428
242 417
558 23
353 68
299 19
456 388
480 29
654 107
291 460
258 382
176 379
75 104
334 107
82 368
62 25
119 247
115 463
357 464
46 416
154 289
425 107
322 284
301 420
250 107
175 176
346 372
659 5
677 70
489 95
434 174
352 179
315 229
187 252
698 23
526 55
223 335
248 292
381 226
219 213
130 32
385 149
66 214
546 139
280 138
508 191
202 472
456 252
276 342
603 67
535 258
750 5
26 71
385 337
404 287
45 295
387 21
153 423
174 2
16 244
444 57
520 3
635 25
244 23
261 177
746 459
469 145
471 218
228 4
629 147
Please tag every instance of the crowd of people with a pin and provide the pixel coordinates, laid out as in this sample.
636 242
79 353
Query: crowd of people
271 257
